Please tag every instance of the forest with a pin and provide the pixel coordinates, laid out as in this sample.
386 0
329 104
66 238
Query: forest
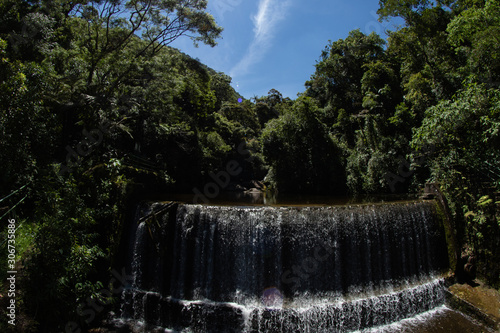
98 112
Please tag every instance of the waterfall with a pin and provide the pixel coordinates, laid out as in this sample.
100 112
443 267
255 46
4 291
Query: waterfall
201 268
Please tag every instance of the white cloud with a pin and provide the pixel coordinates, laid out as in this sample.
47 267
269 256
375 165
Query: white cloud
269 14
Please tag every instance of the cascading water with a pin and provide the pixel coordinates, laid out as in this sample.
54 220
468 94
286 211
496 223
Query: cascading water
284 269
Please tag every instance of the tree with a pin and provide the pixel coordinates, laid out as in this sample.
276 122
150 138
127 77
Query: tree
109 27
90 48
26 139
475 36
466 134
336 83
412 10
221 85
69 66
428 63
270 106
299 135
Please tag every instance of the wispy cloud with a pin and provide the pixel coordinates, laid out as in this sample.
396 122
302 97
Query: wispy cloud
269 14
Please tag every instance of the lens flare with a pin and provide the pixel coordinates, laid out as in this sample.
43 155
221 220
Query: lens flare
272 298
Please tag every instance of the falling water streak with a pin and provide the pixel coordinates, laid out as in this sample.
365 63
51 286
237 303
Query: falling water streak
338 268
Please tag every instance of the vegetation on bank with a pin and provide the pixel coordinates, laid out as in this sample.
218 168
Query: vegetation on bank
97 111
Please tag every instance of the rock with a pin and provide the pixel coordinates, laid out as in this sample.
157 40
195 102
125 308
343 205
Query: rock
253 190
470 268
234 187
480 302
429 192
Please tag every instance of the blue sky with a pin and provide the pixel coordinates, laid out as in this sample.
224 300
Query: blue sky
270 44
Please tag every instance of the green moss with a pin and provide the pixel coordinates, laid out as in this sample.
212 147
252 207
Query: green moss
445 223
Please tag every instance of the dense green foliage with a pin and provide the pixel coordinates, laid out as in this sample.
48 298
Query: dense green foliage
97 111
299 135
